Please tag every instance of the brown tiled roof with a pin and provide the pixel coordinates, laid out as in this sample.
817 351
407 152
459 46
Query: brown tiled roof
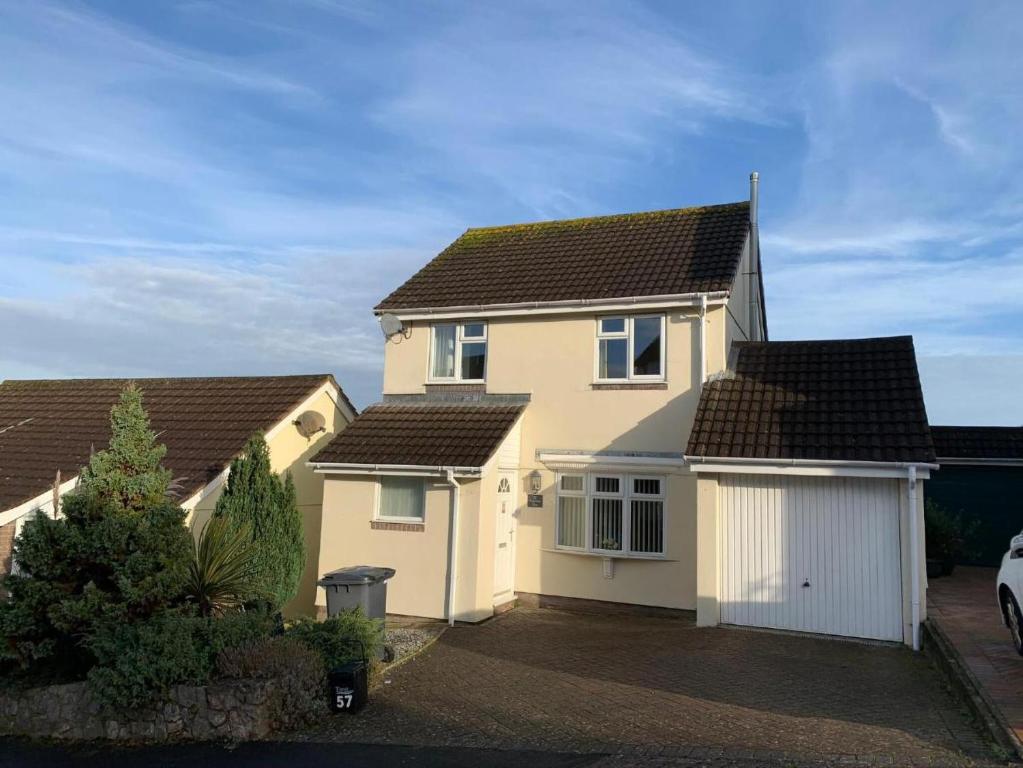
978 442
204 422
851 400
638 254
429 434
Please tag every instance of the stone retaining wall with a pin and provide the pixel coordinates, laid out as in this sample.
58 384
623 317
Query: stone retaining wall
230 710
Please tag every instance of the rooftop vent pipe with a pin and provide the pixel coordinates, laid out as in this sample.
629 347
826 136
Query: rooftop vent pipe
754 255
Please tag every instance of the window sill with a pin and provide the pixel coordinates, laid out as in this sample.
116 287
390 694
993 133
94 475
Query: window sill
397 525
611 555
611 385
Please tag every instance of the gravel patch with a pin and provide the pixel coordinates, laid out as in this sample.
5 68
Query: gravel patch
406 641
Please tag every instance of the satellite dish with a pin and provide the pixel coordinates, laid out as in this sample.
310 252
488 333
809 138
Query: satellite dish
390 325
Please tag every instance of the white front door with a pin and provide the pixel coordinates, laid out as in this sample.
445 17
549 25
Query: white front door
504 536
812 554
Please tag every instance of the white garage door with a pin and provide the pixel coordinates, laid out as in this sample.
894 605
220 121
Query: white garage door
811 554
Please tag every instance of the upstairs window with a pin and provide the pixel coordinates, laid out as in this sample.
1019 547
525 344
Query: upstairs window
459 352
630 348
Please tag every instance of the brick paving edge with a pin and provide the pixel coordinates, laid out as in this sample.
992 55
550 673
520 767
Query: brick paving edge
951 662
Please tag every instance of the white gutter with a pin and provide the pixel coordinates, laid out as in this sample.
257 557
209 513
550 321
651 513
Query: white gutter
41 503
703 339
558 307
914 557
327 467
807 462
453 567
554 460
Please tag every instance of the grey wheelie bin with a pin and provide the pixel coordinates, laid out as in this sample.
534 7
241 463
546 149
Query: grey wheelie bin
360 586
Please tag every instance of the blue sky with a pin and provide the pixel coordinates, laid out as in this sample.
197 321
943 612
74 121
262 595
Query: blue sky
223 188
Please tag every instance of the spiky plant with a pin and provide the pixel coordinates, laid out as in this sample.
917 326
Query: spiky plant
220 575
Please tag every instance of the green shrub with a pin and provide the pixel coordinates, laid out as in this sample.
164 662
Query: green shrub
118 555
220 574
948 534
258 501
92 568
342 638
139 662
298 694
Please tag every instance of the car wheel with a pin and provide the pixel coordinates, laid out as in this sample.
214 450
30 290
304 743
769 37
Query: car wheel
1015 621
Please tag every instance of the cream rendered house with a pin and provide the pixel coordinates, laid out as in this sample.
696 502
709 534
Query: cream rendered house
541 387
51 426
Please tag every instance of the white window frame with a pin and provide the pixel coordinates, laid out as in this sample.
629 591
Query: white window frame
629 334
460 338
557 510
378 501
626 494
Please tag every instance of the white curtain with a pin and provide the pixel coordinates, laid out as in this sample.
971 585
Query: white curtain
444 351
401 497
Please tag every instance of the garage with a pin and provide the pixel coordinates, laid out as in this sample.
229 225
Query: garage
811 459
811 554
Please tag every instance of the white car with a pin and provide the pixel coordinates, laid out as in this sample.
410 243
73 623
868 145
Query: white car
1010 590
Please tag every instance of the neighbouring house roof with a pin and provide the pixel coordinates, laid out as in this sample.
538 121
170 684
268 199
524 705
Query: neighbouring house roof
423 435
52 425
849 400
687 250
998 443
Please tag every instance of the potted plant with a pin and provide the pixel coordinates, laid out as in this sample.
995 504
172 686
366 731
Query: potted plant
947 539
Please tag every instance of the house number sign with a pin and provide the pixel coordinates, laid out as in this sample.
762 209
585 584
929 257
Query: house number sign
535 500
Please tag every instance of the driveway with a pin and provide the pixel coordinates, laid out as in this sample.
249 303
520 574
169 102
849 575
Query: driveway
556 681
964 608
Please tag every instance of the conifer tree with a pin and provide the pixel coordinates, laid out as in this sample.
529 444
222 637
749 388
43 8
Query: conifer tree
127 475
257 499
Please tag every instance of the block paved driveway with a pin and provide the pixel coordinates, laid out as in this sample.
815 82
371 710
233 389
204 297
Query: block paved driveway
557 681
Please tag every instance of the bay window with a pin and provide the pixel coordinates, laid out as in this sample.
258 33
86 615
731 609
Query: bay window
458 352
610 514
630 348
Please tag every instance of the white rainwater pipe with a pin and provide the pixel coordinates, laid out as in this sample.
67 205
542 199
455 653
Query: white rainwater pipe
703 339
914 558
453 568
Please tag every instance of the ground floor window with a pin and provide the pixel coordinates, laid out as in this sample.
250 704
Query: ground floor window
611 514
402 499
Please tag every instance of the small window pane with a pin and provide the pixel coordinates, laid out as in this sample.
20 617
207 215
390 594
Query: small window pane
614 354
607 485
607 524
647 526
474 359
444 351
573 483
646 346
401 497
612 325
473 331
572 521
650 486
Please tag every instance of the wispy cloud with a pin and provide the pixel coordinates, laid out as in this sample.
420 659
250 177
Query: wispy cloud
229 187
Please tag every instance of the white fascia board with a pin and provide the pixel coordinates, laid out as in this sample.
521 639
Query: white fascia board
405 470
807 467
585 306
41 503
949 461
590 461
328 386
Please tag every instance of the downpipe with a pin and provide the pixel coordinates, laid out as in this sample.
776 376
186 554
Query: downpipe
453 566
914 543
